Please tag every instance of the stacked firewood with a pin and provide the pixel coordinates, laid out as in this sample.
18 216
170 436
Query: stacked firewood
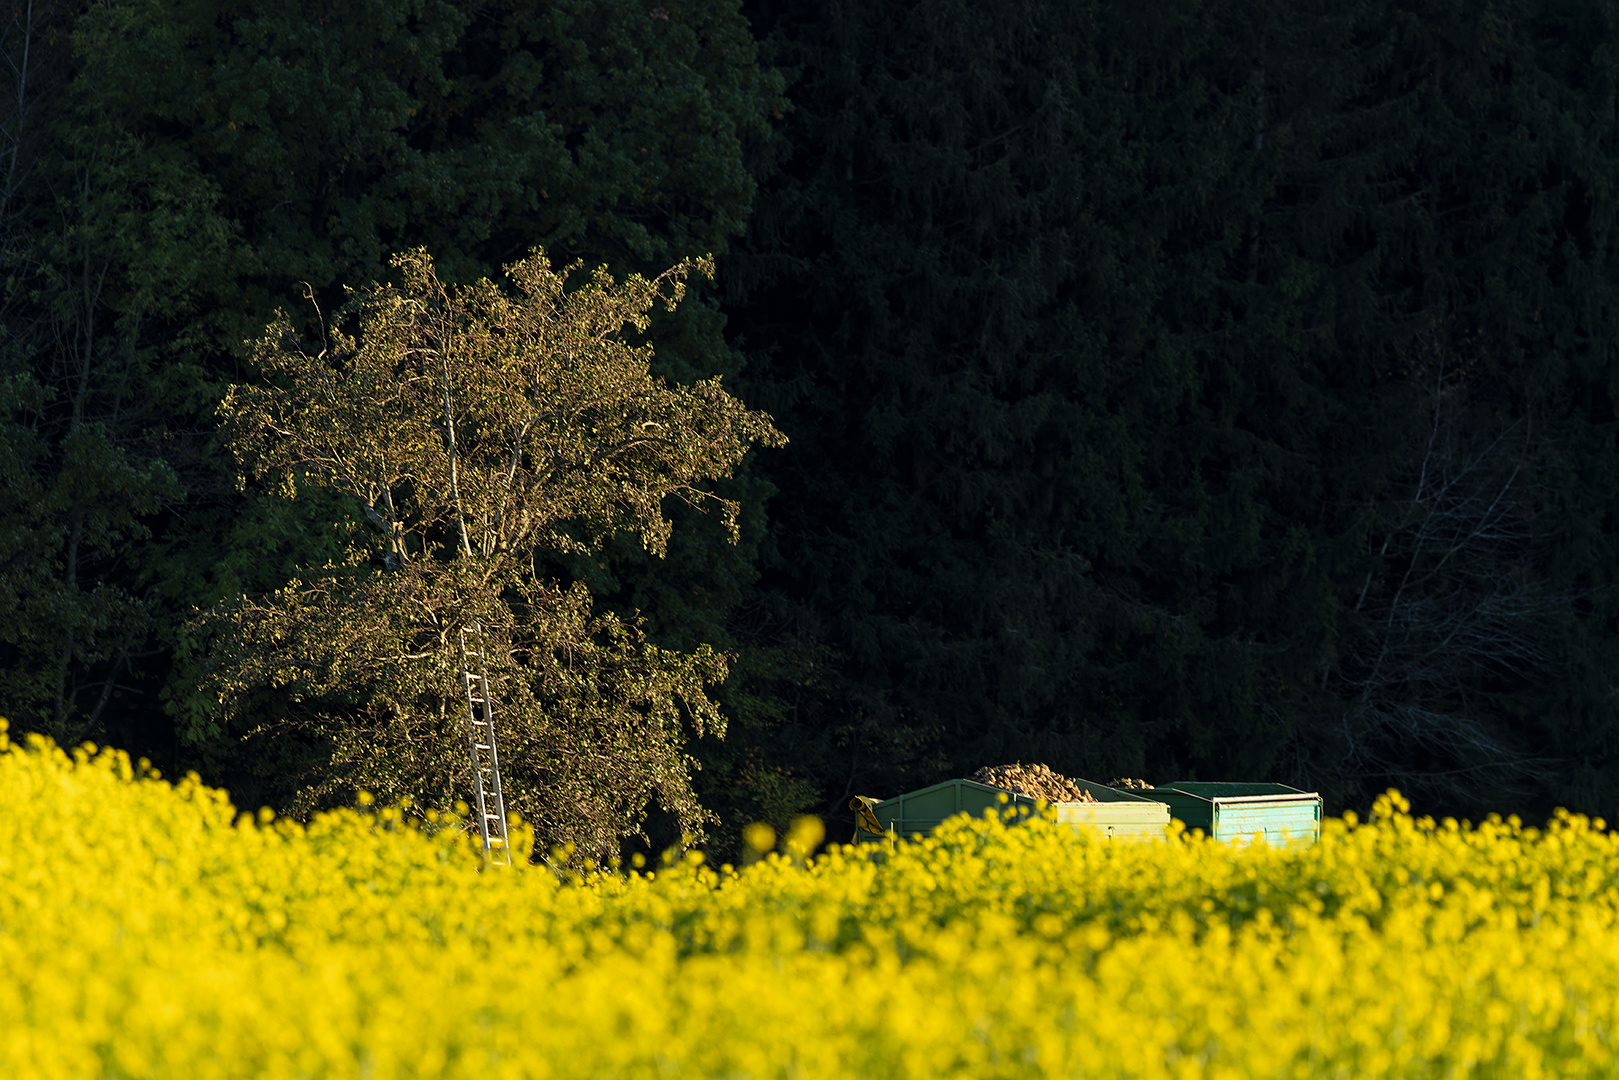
1034 782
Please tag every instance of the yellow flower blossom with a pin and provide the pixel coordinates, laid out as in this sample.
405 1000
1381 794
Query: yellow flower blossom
149 929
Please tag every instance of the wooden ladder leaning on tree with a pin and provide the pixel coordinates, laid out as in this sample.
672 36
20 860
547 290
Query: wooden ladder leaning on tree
491 802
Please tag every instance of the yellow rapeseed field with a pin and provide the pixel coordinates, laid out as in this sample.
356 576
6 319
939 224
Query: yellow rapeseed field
149 930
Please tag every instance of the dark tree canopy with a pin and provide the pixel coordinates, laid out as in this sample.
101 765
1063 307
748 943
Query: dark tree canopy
1193 389
1176 388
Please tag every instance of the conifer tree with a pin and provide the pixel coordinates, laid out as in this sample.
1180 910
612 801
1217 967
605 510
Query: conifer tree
1195 389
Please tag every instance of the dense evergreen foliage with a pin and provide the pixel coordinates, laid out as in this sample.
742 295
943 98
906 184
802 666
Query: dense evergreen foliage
1176 388
1199 389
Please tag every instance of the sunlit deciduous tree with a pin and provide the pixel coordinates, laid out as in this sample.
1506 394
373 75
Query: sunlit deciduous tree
478 429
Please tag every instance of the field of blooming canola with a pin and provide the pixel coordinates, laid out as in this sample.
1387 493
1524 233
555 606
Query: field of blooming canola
149 930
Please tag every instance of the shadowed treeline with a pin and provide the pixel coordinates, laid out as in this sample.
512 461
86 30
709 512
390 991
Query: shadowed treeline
1180 390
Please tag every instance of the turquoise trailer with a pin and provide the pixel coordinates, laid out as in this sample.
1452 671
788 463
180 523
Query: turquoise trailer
1116 815
1240 813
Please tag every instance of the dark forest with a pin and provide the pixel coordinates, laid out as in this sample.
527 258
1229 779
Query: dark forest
1177 388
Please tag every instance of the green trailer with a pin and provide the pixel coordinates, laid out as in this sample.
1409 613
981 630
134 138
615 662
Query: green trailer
1238 813
1116 815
